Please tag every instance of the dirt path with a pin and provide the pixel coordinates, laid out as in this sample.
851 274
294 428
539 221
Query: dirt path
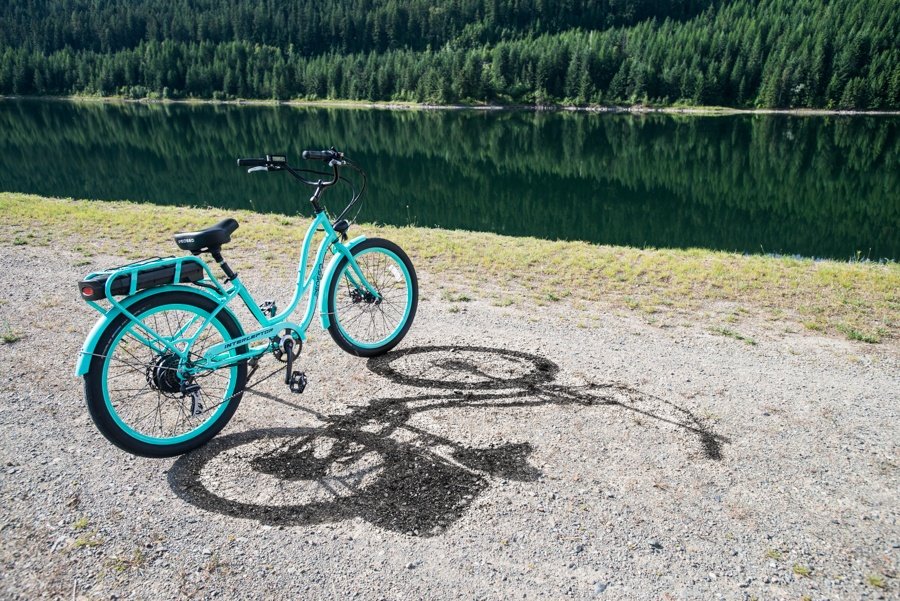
499 453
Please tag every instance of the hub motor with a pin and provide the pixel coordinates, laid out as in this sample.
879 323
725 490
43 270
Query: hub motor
162 374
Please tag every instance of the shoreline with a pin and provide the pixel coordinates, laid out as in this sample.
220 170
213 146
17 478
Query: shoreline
707 288
704 111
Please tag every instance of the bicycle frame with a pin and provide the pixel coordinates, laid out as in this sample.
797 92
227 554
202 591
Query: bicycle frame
220 355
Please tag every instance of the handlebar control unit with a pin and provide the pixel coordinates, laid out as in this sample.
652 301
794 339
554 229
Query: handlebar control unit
271 162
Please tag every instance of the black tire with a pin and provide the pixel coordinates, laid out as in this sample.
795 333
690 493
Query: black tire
135 369
339 289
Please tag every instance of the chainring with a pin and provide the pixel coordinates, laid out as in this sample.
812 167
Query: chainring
280 351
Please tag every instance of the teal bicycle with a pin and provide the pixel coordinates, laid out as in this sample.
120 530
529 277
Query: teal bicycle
166 364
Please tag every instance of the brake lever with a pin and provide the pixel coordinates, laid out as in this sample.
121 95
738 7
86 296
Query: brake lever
259 168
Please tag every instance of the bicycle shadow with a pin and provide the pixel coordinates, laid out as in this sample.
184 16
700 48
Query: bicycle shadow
373 464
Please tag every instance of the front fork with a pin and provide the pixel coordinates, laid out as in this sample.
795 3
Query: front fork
357 279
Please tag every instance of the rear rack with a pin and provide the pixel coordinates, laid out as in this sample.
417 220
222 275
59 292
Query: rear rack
147 273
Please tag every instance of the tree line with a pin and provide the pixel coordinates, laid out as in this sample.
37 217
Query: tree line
313 27
842 54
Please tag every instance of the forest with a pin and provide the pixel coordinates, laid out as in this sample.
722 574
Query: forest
835 54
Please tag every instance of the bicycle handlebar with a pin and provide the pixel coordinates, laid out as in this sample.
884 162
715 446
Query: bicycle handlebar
334 159
322 155
279 160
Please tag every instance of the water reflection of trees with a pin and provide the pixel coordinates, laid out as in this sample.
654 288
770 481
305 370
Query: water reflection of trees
817 186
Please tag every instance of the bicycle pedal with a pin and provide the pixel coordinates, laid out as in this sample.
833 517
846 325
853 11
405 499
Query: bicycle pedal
298 382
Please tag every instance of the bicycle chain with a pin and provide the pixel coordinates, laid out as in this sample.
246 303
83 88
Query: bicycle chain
246 388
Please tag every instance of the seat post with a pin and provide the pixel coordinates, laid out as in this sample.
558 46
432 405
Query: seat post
217 255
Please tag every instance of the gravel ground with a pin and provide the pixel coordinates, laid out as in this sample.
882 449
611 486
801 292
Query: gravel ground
500 452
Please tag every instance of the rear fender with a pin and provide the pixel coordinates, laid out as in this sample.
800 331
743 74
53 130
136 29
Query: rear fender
90 343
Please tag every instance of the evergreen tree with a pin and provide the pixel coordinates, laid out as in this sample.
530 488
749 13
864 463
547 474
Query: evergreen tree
768 53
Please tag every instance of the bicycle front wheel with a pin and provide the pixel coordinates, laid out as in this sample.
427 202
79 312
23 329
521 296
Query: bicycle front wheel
135 394
361 323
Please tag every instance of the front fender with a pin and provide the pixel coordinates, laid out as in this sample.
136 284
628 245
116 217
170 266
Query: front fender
90 343
326 281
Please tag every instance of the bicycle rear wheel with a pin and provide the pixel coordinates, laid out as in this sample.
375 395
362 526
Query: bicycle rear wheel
134 392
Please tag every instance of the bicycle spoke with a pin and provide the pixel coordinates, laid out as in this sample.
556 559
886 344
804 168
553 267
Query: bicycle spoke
370 322
147 395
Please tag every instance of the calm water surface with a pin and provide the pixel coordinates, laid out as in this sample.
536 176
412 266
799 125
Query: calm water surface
812 186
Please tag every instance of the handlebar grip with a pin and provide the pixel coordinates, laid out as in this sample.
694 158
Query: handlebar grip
251 162
320 155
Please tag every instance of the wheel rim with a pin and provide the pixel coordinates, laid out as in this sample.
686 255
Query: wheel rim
137 384
362 322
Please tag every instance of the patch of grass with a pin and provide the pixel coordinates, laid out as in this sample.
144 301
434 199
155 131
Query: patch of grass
453 309
215 562
862 336
801 570
862 296
19 241
733 334
123 564
88 540
8 335
876 580
709 415
455 298
504 301
774 554
81 523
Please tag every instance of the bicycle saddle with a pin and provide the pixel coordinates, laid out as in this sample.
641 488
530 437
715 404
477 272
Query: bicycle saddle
209 239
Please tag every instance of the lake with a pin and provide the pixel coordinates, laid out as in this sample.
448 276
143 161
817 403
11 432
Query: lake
797 185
